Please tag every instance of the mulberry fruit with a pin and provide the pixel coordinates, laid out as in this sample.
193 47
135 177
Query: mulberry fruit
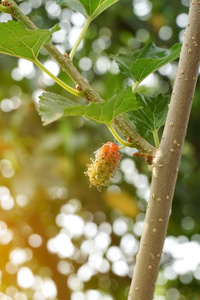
105 165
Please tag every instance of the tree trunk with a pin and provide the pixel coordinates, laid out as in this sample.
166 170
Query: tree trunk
166 162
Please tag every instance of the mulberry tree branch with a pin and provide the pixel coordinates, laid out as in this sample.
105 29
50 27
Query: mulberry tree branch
166 162
87 92
133 137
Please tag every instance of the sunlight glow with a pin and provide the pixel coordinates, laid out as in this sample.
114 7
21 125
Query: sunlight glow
181 20
65 267
77 296
75 283
36 95
5 17
11 268
73 206
3 228
95 259
73 36
8 105
173 294
62 245
6 169
6 237
85 273
25 7
120 268
25 277
120 226
129 244
73 223
77 19
26 68
114 69
128 165
37 284
90 295
90 229
93 295
105 227
165 33
138 227
142 8
53 9
104 266
85 63
38 296
20 296
185 255
143 35
49 289
35 3
16 74
102 241
59 36
54 68
102 65
18 256
35 240
11 291
87 246
114 253
169 273
22 200
8 204
4 297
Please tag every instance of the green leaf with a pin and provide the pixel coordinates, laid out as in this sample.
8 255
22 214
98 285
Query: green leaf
17 41
52 107
96 7
139 64
88 8
152 114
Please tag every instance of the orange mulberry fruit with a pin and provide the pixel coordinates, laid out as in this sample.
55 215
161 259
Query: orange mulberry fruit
105 165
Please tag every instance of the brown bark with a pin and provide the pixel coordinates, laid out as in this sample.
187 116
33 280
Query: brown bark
166 162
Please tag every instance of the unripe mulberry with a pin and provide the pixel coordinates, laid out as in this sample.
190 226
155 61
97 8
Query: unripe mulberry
105 165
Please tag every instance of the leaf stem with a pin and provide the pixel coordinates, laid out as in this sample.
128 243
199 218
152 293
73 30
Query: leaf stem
83 31
58 81
135 86
118 138
5 9
156 138
121 147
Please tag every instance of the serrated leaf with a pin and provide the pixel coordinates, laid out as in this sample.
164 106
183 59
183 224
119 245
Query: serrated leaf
17 41
52 107
88 8
152 114
125 61
139 64
96 7
107 111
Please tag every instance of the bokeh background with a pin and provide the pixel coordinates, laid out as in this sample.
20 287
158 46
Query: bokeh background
60 239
